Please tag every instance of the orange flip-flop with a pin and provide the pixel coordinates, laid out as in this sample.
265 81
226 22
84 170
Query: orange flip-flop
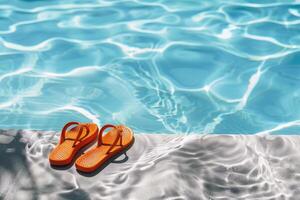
74 136
114 142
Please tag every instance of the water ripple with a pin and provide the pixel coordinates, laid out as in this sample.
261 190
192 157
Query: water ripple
158 66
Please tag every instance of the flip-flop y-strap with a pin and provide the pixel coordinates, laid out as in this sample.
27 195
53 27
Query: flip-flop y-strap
74 136
106 148
118 138
80 126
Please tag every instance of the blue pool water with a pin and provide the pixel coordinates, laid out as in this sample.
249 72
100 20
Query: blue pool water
159 66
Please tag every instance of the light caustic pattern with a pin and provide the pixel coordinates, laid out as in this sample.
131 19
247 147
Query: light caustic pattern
158 66
199 167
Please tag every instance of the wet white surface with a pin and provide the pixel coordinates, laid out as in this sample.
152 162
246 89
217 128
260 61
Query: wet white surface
158 167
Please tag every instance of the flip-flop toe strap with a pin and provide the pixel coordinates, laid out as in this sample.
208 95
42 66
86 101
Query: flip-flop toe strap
81 126
119 137
67 126
100 142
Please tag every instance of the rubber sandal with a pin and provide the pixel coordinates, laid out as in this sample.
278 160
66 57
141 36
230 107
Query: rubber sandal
74 136
116 141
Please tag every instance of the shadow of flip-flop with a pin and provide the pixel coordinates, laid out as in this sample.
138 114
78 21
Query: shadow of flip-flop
109 161
13 160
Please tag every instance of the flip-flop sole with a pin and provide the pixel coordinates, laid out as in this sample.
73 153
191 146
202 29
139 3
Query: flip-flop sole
64 153
97 156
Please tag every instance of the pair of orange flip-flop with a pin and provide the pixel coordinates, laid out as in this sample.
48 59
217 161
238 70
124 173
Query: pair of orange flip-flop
75 136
